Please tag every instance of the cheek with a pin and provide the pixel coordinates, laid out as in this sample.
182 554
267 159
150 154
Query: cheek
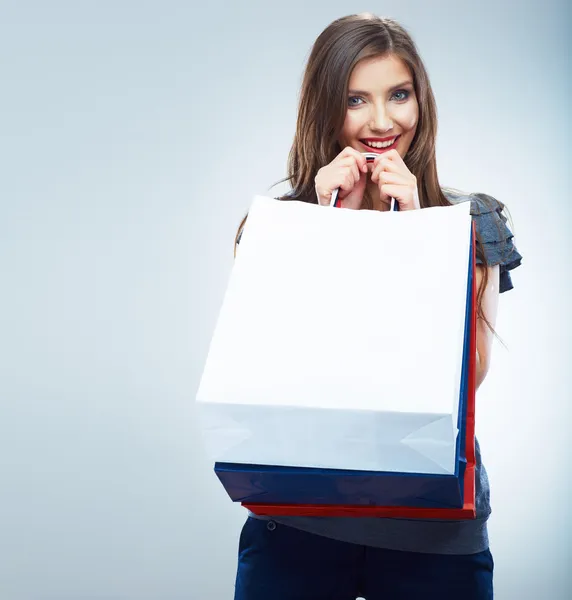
408 116
408 124
351 125
411 128
412 116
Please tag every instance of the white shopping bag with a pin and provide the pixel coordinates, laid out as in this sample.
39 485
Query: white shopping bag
340 338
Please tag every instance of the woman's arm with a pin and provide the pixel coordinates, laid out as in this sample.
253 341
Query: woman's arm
489 308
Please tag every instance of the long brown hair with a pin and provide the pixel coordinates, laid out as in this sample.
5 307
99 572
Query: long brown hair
323 105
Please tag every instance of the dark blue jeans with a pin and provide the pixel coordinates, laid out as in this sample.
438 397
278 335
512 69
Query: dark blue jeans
277 562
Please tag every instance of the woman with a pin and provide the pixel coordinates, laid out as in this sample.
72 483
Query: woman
366 89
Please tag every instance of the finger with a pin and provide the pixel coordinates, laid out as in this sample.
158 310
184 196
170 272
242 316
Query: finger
355 172
358 156
351 163
384 162
324 196
346 181
396 191
395 157
383 193
392 156
348 152
393 178
361 162
377 171
379 164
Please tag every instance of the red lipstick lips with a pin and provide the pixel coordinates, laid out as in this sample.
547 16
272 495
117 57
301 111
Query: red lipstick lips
375 139
380 150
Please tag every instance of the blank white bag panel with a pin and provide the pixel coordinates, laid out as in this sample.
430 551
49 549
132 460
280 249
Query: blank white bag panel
339 341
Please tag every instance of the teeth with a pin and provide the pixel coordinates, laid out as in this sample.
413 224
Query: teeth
381 144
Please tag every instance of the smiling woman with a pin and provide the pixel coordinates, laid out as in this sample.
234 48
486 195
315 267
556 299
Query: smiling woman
365 89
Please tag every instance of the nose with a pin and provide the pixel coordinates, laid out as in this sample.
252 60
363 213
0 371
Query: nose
380 120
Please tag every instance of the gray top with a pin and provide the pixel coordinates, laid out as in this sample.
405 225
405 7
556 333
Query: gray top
421 535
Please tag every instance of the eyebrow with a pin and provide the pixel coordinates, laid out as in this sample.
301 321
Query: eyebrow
391 89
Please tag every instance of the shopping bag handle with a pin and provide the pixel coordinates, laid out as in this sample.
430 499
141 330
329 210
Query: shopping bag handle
369 157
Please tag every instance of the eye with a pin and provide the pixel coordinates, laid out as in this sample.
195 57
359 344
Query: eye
353 104
406 92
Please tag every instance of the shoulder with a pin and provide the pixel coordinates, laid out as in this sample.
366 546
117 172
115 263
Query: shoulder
494 236
485 209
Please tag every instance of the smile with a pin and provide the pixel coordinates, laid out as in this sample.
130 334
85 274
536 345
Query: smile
379 146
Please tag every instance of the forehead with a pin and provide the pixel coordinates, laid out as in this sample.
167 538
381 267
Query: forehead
383 71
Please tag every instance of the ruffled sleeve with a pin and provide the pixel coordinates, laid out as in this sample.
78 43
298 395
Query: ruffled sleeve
494 237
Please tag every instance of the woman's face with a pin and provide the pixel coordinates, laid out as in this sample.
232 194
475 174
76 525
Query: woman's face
382 107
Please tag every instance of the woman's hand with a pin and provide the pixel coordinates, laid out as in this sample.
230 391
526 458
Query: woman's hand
348 171
395 180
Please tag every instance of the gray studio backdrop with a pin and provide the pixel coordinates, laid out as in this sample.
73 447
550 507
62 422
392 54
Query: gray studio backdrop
133 136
